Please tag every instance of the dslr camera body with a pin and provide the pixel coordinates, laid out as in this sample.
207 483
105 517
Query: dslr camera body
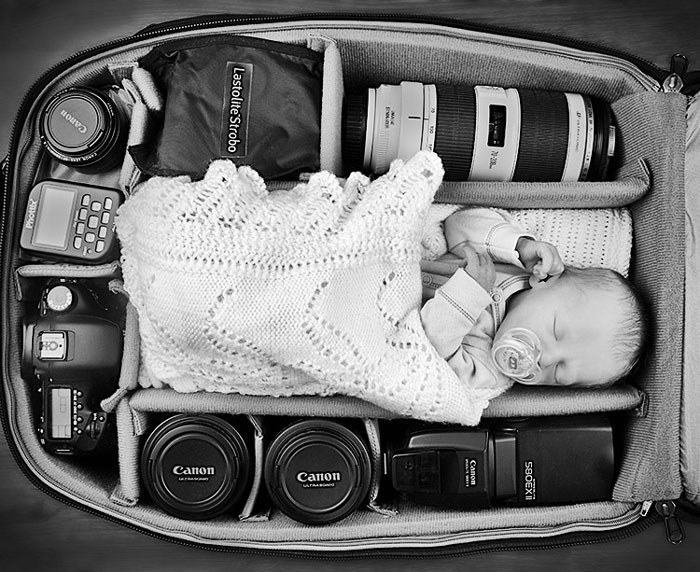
516 462
73 347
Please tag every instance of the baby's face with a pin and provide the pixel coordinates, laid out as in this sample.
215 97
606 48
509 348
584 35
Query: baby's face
576 329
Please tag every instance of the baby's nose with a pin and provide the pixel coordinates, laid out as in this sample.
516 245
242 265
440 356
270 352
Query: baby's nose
550 357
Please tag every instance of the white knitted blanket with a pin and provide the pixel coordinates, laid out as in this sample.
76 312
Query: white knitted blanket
315 290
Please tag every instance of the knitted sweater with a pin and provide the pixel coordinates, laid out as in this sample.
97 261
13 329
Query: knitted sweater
316 290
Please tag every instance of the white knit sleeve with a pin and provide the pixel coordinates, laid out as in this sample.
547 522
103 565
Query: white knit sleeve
447 319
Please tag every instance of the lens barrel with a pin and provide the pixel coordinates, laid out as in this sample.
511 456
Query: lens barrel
481 133
83 128
317 471
196 466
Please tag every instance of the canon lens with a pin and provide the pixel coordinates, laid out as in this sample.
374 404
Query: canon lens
196 466
317 471
481 133
83 128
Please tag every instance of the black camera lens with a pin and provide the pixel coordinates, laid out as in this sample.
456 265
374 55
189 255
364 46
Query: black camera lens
83 128
317 471
481 133
196 466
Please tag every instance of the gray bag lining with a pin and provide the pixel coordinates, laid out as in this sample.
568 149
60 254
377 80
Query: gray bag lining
412 526
649 124
690 413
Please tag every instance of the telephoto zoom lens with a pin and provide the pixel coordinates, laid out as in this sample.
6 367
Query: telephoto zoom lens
317 471
196 467
481 133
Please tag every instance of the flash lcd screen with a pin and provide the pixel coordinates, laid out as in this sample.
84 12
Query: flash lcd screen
54 217
60 400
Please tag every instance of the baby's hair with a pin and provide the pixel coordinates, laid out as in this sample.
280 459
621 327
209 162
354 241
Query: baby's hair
633 333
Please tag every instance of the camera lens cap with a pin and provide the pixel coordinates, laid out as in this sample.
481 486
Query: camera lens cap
195 466
317 471
80 126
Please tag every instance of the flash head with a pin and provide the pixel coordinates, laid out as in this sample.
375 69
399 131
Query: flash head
523 462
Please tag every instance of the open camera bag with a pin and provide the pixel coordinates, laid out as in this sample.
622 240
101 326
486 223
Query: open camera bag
657 113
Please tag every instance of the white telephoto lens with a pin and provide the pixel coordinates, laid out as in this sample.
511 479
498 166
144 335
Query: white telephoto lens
429 117
497 134
411 119
387 128
578 137
590 139
369 134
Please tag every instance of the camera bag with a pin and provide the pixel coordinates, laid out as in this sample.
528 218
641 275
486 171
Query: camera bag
655 182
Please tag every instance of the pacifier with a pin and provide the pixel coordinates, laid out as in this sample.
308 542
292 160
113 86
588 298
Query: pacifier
517 356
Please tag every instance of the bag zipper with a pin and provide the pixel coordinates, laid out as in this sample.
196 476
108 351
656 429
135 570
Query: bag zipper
7 164
199 22
666 509
678 68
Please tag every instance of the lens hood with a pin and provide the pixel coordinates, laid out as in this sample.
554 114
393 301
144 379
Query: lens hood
196 466
317 471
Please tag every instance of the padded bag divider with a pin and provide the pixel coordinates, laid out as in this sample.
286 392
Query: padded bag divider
631 186
129 488
518 401
650 124
25 275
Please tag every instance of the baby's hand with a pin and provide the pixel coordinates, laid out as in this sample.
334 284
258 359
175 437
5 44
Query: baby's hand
540 258
478 265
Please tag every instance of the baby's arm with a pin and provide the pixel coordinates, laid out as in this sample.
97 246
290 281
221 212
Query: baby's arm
499 235
488 230
448 317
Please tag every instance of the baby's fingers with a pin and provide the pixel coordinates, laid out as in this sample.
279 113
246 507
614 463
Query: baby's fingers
550 263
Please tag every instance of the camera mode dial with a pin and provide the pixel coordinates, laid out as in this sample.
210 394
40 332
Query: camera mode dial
59 298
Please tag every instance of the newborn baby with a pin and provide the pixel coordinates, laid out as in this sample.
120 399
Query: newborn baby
548 325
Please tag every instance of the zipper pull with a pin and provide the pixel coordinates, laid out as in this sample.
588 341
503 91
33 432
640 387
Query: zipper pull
674 80
3 170
674 527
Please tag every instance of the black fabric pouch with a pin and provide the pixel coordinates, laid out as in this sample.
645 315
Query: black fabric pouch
254 101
